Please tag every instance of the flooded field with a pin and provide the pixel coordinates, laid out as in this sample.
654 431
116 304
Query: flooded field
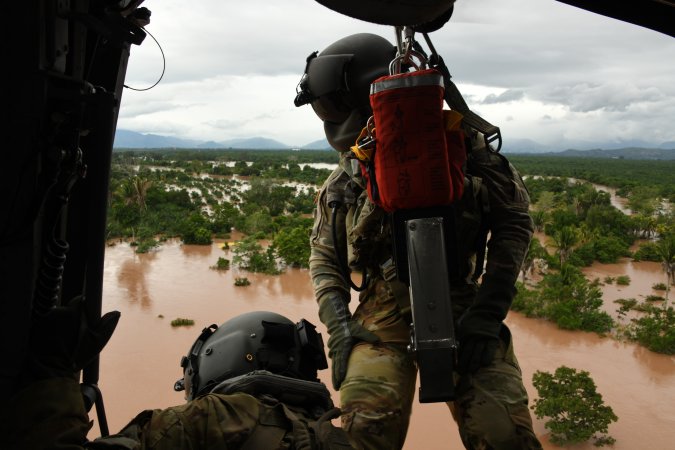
141 362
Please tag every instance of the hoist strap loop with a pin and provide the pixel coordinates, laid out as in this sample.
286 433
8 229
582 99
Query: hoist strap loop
387 83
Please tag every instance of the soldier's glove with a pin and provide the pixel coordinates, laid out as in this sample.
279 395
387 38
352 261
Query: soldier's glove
343 333
478 329
63 342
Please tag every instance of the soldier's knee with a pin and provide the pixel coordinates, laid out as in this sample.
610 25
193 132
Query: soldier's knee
505 430
492 411
375 429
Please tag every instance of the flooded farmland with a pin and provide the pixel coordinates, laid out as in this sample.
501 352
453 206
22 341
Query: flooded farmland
141 362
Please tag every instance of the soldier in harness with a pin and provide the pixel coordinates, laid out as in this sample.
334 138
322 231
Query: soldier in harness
371 363
250 384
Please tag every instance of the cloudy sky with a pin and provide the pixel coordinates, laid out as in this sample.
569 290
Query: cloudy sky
539 69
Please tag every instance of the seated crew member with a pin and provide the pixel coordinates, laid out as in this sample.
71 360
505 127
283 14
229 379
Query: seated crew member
250 384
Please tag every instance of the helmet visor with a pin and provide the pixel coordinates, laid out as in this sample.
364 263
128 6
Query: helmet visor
327 85
326 74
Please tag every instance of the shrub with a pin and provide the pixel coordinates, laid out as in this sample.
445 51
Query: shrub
242 281
659 286
577 412
180 322
222 264
647 252
146 245
626 304
623 280
609 280
197 236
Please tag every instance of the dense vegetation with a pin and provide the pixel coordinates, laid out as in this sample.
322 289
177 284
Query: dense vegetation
575 409
627 175
581 226
198 195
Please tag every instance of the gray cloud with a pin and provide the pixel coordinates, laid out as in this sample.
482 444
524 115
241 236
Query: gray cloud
541 60
507 96
587 97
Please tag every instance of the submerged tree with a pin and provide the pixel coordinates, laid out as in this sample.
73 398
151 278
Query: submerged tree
576 410
655 329
250 255
568 299
293 246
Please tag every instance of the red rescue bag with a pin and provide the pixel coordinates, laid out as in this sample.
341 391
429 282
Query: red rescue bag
418 160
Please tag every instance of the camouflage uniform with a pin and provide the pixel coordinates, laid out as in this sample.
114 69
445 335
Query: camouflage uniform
50 415
377 393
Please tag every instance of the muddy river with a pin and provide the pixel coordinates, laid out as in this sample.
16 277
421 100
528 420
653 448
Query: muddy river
141 362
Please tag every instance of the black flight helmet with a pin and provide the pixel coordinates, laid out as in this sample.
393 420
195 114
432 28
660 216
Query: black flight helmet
259 340
337 82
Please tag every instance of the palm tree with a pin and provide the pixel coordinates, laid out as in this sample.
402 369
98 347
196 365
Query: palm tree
539 219
134 191
564 240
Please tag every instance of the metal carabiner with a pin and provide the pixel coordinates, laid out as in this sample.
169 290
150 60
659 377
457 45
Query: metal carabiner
405 53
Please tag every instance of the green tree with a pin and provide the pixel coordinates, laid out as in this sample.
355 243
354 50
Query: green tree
293 246
225 216
644 200
546 200
269 195
576 410
250 255
195 230
655 329
539 219
564 241
573 302
255 222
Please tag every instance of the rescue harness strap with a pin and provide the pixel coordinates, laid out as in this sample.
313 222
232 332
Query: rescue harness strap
454 99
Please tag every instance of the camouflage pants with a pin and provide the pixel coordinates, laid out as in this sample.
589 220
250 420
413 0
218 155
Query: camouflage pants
376 397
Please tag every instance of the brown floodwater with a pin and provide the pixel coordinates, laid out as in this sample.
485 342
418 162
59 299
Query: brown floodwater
141 362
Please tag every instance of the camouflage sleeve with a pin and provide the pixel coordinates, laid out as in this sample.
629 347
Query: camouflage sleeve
50 415
226 419
323 264
509 221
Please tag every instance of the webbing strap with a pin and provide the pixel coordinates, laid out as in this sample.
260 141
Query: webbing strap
454 99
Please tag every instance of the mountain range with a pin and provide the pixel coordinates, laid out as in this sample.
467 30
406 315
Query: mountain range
126 139
132 140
